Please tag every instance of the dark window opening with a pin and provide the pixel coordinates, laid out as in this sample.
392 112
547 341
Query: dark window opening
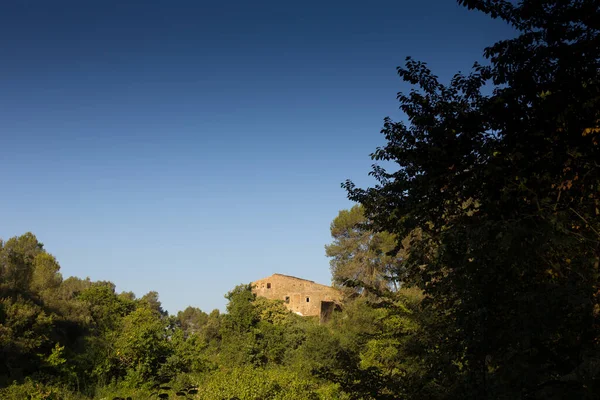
308 299
287 299
268 286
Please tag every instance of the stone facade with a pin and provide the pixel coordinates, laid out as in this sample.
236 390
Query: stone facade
301 296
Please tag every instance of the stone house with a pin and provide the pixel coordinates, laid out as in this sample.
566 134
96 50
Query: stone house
301 296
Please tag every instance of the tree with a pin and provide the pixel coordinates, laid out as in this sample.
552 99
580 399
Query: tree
45 274
497 197
105 306
28 330
359 257
150 301
17 256
142 345
192 320
242 314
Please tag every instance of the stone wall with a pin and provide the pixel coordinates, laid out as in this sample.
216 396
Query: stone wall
301 296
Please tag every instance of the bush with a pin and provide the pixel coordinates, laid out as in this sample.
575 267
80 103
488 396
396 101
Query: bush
266 384
30 390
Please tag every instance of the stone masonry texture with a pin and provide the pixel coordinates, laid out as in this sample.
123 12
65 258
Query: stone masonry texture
301 296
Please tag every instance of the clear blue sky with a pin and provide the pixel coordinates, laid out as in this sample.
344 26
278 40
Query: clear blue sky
189 146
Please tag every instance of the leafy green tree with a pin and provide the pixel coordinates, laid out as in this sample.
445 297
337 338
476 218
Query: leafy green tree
192 320
150 301
238 345
142 345
360 257
45 274
71 287
105 306
28 329
188 355
26 332
212 329
376 348
242 314
272 311
17 257
497 196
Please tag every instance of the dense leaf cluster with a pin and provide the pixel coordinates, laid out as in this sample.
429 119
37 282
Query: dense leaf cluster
496 197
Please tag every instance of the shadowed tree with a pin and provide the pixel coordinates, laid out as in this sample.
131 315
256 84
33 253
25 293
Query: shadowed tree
504 190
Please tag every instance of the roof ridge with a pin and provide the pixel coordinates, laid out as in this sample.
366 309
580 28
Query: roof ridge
295 277
299 279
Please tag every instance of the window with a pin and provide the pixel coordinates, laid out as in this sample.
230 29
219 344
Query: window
287 299
308 299
268 286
